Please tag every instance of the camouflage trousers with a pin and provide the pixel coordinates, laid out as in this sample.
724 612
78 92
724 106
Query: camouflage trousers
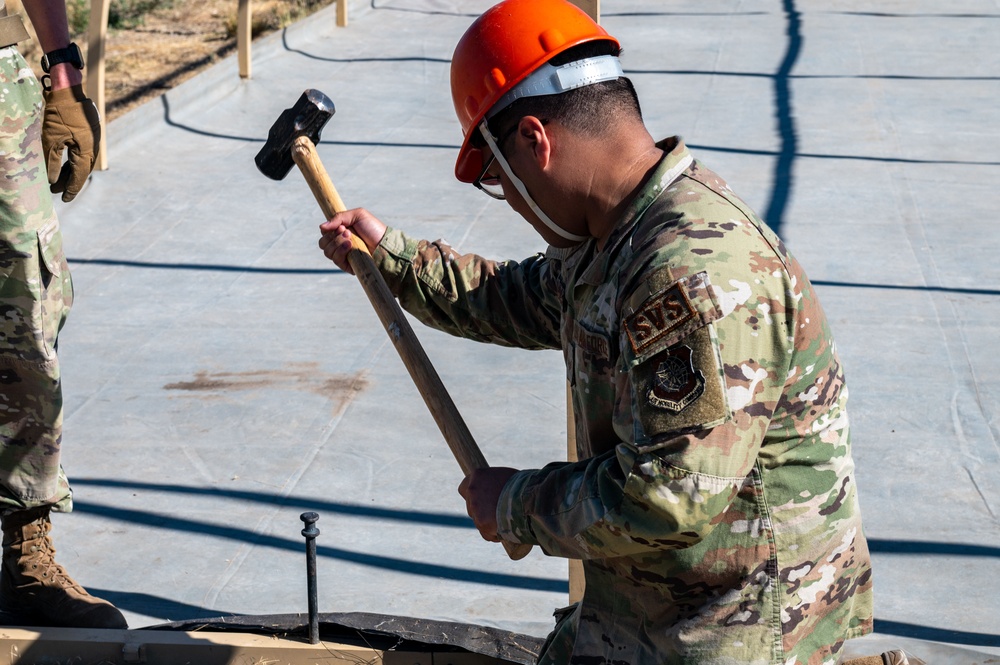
36 293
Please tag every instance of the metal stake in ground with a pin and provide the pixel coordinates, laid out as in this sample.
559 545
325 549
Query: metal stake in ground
310 533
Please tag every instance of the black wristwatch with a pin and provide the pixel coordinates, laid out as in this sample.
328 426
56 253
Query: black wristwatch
70 54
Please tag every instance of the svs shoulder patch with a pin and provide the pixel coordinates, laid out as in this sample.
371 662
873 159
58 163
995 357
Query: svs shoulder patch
658 317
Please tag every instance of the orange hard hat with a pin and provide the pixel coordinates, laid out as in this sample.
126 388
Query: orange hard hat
500 49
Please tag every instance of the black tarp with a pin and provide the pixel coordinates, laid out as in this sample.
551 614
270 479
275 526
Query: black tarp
379 631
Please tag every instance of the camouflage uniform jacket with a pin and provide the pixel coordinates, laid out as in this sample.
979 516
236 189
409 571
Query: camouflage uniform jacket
714 504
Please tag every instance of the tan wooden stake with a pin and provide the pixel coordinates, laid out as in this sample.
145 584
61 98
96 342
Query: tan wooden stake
97 35
341 13
576 580
592 7
244 36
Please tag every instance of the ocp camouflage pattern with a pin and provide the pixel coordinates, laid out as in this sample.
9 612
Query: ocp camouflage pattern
36 293
715 505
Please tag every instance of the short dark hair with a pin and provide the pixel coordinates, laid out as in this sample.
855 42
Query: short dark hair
589 109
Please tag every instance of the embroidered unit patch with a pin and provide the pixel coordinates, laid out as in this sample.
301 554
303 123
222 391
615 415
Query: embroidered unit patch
677 383
657 317
682 388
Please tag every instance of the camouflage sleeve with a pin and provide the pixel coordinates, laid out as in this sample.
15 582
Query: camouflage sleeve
622 503
501 302
681 458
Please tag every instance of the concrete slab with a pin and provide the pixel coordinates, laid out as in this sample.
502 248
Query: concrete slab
221 377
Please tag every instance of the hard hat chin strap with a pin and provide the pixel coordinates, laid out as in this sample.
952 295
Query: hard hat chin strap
523 191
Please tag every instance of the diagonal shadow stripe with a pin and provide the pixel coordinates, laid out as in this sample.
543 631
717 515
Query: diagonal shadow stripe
209 267
454 147
430 12
764 75
936 634
253 139
157 606
880 546
321 58
903 287
863 158
271 499
887 15
361 558
648 13
337 271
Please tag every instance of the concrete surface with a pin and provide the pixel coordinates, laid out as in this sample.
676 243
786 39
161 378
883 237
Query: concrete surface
221 377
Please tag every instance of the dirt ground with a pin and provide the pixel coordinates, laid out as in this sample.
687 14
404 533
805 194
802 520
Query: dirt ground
174 42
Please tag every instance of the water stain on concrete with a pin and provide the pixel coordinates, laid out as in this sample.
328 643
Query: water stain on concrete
304 376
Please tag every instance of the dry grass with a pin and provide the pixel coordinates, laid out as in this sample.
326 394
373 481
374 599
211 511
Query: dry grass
162 43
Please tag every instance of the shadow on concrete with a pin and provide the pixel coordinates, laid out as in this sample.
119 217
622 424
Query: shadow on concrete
774 211
170 80
218 267
254 139
427 12
877 545
630 14
319 505
864 158
880 546
323 58
207 267
900 629
902 287
797 77
157 606
887 15
381 562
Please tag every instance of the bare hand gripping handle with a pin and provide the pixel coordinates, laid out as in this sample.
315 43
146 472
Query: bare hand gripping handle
431 388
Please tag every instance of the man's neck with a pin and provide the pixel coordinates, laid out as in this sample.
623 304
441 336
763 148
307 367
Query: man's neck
616 179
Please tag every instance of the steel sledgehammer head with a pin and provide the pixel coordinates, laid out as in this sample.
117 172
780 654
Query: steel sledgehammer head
306 118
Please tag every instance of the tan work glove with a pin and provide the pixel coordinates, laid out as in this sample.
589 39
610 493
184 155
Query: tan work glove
71 121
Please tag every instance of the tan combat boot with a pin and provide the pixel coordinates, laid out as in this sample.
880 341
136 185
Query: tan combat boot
35 590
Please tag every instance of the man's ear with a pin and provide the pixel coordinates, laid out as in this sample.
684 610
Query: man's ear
534 135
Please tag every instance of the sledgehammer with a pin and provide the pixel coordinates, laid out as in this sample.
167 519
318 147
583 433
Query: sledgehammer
292 140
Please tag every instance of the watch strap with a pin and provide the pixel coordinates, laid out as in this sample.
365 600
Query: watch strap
70 54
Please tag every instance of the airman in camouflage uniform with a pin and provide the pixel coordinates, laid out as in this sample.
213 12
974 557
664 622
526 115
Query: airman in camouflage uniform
714 505
36 293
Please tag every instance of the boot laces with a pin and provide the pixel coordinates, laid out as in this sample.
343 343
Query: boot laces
39 558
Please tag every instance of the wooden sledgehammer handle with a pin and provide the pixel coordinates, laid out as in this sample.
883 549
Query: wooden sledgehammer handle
431 388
